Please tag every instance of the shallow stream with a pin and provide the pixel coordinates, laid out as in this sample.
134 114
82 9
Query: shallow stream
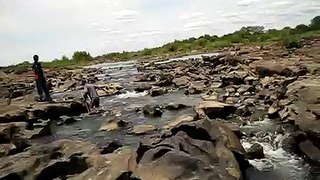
278 164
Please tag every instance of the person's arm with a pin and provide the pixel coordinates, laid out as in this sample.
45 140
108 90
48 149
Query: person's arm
86 93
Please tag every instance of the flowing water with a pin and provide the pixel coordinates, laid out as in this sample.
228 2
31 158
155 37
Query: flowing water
277 165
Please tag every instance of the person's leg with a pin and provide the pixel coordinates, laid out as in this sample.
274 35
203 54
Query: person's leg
39 88
95 103
45 88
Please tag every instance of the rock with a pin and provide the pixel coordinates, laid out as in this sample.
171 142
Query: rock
114 145
14 133
50 161
232 100
255 152
273 111
69 121
143 129
67 86
113 124
47 130
311 152
186 151
157 91
215 109
181 81
153 111
177 121
7 149
175 106
269 69
291 143
141 87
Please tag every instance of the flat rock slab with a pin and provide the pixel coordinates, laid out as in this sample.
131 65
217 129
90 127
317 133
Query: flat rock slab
215 109
143 129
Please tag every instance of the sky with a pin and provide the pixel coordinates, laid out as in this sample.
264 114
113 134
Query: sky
53 28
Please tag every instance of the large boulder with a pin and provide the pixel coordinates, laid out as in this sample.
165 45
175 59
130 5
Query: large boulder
215 109
269 69
183 153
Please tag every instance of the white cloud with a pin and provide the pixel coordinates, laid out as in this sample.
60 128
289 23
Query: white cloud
127 15
246 2
197 25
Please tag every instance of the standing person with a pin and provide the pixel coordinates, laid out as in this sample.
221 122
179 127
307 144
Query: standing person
91 92
41 83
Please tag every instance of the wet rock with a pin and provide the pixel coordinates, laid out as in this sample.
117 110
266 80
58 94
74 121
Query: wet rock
291 143
186 149
215 109
143 129
153 111
255 152
112 125
111 147
177 121
157 91
175 106
69 121
310 151
47 130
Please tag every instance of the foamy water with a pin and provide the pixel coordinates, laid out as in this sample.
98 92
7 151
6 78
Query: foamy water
132 94
282 164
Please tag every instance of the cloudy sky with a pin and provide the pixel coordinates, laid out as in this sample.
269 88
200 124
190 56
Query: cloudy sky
52 28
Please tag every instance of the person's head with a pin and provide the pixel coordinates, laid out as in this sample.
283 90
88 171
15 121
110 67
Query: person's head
36 58
84 82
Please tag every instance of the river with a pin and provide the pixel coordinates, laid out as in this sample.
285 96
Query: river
277 165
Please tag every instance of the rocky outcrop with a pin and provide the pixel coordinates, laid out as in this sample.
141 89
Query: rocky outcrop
187 148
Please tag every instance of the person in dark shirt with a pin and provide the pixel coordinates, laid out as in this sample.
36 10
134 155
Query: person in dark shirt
40 79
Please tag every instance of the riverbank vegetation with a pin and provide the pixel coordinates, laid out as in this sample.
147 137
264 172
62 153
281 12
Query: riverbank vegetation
289 37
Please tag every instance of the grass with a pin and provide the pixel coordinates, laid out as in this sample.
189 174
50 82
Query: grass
289 37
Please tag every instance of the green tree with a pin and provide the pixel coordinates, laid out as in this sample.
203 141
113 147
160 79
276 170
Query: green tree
315 23
81 56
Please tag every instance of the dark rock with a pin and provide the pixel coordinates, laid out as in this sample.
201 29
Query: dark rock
156 91
215 109
255 152
269 69
175 106
310 151
70 120
187 148
114 145
153 111
291 143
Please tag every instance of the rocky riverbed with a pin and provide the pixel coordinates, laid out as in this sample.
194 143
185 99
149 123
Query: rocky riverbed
245 113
